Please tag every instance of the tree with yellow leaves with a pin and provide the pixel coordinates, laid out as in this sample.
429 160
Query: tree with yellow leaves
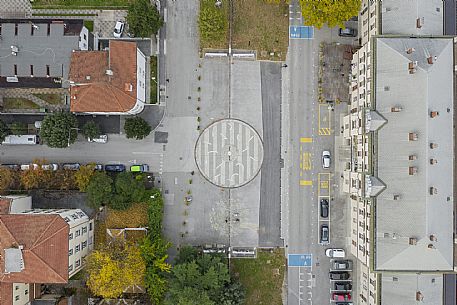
114 269
83 175
330 12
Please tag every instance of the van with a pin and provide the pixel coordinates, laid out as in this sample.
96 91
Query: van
139 168
335 252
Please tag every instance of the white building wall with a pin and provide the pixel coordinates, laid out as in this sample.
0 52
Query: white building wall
19 203
140 76
21 294
84 39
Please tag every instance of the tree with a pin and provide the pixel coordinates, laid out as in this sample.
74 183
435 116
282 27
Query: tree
4 131
143 18
129 188
112 270
18 128
35 176
212 22
6 178
91 130
83 176
137 128
186 254
59 129
330 12
99 190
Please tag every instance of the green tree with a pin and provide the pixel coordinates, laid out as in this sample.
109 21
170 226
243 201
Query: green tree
143 18
91 130
137 128
59 129
99 190
129 188
18 128
83 176
330 12
6 178
212 22
186 254
4 131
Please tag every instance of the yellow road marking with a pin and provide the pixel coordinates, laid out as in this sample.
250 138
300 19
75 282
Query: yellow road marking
325 131
307 161
323 182
306 140
306 182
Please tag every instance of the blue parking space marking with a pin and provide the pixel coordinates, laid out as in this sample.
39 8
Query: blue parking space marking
301 32
300 260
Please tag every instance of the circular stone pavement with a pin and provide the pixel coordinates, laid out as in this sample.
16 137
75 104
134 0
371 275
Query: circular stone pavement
229 153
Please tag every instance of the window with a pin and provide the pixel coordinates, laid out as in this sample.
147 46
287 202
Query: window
15 69
90 226
74 216
84 229
85 37
81 214
67 219
26 292
78 233
70 252
83 244
70 236
77 248
78 263
31 70
16 298
16 287
70 268
15 29
47 71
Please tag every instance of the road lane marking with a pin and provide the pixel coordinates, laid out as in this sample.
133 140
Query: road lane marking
307 161
306 182
306 140
324 121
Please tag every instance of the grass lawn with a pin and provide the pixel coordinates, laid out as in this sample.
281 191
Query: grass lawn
222 41
260 277
153 89
18 103
54 99
81 3
262 26
134 217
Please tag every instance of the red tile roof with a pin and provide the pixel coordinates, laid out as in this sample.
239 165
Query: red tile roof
45 247
6 293
96 91
5 204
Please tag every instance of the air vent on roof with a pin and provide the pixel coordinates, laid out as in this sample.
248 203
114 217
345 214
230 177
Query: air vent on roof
419 296
386 88
410 50
128 87
431 59
419 22
433 190
413 241
413 136
432 237
434 114
396 197
412 170
87 77
412 157
396 109
433 161
433 145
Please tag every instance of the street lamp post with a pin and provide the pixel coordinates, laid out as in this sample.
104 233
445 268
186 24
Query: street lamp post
69 134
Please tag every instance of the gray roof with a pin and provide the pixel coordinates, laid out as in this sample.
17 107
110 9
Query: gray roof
415 213
13 260
401 289
400 17
38 50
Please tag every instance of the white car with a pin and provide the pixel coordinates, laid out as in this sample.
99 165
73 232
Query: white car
26 167
118 29
335 252
326 159
50 167
103 138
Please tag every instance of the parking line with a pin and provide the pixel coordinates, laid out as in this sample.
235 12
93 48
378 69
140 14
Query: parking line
306 140
307 161
306 182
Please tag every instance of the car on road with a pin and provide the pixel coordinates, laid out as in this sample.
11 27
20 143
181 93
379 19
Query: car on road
139 168
115 167
347 32
103 138
343 286
98 167
341 265
324 235
25 167
335 252
118 29
338 276
325 159
324 208
337 296
51 166
71 166
12 166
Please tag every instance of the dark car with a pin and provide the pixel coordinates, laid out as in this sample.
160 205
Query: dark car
343 286
338 275
12 166
115 168
71 166
324 234
347 32
324 208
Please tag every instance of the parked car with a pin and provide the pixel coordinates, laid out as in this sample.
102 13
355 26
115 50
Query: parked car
324 234
337 296
324 208
341 265
71 166
98 167
335 252
103 138
325 159
343 286
345 303
115 168
139 168
25 167
338 275
12 166
118 29
347 32
51 166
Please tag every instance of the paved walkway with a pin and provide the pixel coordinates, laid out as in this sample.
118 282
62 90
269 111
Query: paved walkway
28 93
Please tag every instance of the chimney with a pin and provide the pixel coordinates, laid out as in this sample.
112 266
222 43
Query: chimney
433 237
433 161
412 157
396 197
410 50
433 145
412 170
431 246
419 296
430 60
413 136
433 190
434 114
419 22
396 109
413 241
